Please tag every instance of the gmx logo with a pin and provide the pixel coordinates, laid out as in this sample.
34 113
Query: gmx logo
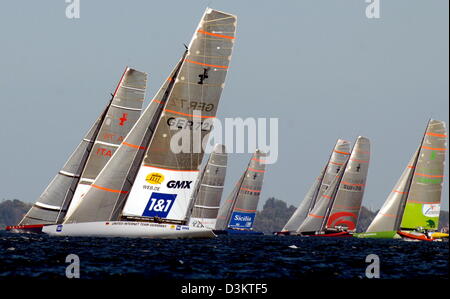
159 205
59 228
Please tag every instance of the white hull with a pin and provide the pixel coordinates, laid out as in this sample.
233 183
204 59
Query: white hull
127 229
206 222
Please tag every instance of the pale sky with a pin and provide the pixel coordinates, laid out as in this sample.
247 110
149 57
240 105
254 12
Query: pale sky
320 66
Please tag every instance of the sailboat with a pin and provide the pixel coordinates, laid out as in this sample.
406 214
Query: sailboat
337 160
96 148
145 189
411 210
209 189
337 212
237 214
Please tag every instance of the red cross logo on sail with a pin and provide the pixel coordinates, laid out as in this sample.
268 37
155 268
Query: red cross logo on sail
123 119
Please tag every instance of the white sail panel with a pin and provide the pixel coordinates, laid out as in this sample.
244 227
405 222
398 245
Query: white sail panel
301 212
122 114
315 219
160 193
389 216
209 188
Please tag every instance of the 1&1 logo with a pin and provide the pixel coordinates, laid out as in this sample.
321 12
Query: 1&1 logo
159 205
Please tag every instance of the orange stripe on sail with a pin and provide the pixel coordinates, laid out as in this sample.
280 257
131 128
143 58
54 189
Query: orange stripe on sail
168 168
211 65
244 210
423 202
157 101
388 215
436 134
109 190
316 216
133 145
339 152
256 170
350 184
429 175
215 34
410 166
259 160
246 189
396 191
326 196
336 163
191 115
434 148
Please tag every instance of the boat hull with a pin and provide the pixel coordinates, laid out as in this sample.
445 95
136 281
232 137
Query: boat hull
237 232
283 233
411 235
378 235
35 228
128 229
331 234
406 235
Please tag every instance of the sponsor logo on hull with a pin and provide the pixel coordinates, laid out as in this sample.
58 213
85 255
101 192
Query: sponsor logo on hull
242 220
154 178
159 205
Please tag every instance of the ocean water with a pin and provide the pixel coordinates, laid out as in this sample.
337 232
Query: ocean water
225 257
